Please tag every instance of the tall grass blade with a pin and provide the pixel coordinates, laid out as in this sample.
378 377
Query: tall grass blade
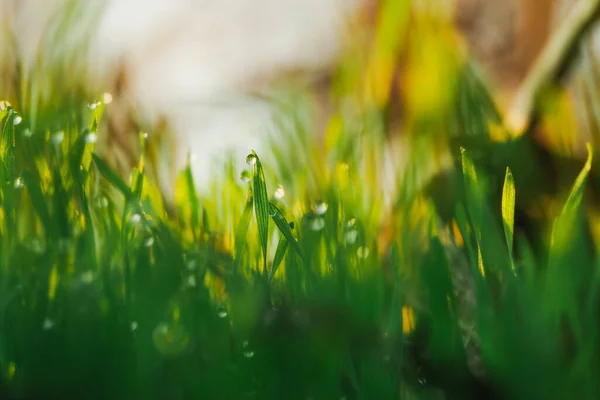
261 206
508 209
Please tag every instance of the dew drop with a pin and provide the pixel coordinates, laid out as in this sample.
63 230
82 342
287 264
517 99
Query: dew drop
246 176
191 281
27 132
91 138
351 236
251 159
249 354
17 120
149 242
145 135
320 207
191 265
135 218
93 106
279 193
18 183
58 138
48 324
134 326
317 224
107 98
222 312
421 378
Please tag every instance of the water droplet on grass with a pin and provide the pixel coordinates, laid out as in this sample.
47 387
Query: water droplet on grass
251 159
351 236
91 138
317 224
48 324
18 183
17 120
279 193
191 281
135 218
58 138
246 176
320 207
149 242
134 326
222 312
107 98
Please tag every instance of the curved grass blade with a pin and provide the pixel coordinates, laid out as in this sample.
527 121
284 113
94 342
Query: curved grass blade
568 213
508 210
261 205
282 247
111 176
284 228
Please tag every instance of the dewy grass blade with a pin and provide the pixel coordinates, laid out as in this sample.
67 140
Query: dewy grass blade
261 204
282 247
508 210
284 228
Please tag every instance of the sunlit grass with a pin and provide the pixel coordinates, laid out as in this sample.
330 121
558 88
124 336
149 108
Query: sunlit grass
330 281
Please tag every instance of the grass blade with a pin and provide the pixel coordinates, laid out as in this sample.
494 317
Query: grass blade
508 209
111 176
282 247
284 228
242 230
568 213
193 198
261 205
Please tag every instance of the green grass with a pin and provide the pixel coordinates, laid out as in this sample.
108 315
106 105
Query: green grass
105 296
308 290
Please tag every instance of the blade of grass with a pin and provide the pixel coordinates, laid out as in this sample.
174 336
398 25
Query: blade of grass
242 230
261 205
284 227
282 247
111 176
508 210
